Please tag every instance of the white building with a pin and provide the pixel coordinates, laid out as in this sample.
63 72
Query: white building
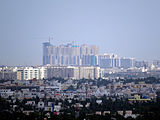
29 73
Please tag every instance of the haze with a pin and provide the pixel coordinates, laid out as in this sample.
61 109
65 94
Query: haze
129 28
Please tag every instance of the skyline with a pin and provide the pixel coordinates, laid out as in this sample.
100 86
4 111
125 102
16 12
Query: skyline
126 28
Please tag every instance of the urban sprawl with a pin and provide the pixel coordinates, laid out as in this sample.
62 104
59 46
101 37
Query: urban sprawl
78 81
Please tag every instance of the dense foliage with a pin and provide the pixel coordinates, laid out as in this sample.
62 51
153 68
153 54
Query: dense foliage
147 110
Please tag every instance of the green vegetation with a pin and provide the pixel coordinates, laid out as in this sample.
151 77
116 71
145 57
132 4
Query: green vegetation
146 110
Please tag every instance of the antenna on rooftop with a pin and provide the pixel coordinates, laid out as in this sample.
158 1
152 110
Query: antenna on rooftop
50 38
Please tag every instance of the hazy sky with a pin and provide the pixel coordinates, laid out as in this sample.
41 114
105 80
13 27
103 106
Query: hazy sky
129 28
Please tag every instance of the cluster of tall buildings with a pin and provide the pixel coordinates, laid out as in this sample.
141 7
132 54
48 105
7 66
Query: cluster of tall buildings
84 55
68 61
75 62
69 54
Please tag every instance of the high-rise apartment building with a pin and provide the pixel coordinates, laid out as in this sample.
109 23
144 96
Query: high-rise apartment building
89 60
46 53
67 54
109 61
127 62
